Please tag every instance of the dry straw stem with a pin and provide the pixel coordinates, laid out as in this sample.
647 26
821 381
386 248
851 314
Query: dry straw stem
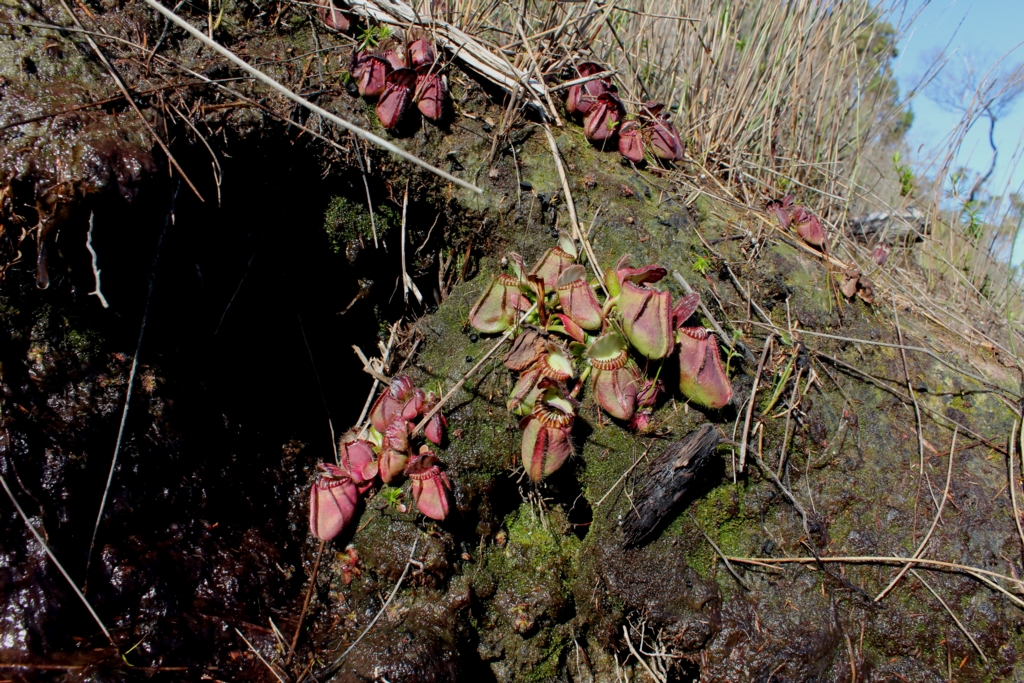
472 371
1013 482
753 396
959 625
935 522
56 562
982 575
333 118
383 608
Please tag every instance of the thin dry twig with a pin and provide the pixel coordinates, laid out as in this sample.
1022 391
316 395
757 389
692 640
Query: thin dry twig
903 397
127 400
942 602
571 205
56 562
471 371
753 396
260 657
407 283
726 339
366 186
368 369
786 492
385 359
1013 483
656 677
540 74
337 662
619 480
305 603
924 541
917 412
98 293
718 550
786 429
585 79
917 349
976 572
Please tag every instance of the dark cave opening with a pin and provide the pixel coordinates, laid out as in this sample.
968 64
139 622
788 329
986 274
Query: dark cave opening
245 365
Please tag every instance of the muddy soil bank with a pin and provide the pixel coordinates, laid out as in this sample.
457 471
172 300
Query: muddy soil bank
249 303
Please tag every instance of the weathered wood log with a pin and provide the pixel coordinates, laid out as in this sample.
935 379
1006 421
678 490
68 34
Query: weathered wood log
668 478
893 228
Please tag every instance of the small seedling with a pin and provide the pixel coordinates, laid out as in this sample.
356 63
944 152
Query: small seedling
731 351
392 495
905 174
780 384
373 36
974 226
702 265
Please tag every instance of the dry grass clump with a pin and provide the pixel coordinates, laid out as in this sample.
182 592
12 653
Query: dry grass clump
798 97
777 95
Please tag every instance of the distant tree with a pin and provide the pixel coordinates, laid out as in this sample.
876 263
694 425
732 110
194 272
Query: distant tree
963 88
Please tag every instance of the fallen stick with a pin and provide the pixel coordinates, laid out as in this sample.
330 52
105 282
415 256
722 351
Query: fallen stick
668 478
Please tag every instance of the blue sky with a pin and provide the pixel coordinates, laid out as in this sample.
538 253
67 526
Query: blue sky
982 31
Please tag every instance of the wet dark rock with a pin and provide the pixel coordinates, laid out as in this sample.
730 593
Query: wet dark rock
422 647
756 645
657 583
421 655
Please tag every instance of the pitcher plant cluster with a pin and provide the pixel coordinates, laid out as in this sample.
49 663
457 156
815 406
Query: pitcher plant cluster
397 75
807 225
605 120
616 343
388 452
